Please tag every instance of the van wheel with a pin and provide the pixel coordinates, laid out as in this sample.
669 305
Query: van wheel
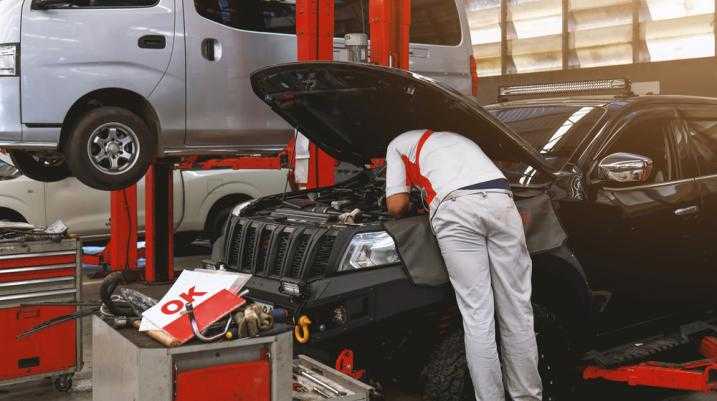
447 377
109 148
40 166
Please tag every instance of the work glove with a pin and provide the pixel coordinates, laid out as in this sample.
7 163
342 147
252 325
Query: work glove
252 320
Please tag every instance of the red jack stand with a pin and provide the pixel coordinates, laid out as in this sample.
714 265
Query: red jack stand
345 364
121 251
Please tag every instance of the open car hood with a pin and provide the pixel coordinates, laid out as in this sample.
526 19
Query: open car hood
352 111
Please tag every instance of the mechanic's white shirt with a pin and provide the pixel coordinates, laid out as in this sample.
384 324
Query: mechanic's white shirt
448 160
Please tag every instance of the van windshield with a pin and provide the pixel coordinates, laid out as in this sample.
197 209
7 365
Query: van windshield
434 22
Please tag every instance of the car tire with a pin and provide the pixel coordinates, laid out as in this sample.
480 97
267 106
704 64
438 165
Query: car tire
39 168
447 377
219 214
109 148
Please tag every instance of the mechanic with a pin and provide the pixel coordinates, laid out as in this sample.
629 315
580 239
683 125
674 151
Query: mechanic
481 237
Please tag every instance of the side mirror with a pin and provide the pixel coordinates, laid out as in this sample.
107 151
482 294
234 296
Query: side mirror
625 167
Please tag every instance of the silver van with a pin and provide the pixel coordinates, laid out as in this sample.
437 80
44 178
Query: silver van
97 89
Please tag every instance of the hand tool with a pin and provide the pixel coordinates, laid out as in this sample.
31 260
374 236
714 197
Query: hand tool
55 321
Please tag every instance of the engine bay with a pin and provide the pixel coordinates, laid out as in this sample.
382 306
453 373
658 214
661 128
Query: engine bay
358 201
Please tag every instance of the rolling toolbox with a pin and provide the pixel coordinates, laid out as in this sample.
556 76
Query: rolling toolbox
33 272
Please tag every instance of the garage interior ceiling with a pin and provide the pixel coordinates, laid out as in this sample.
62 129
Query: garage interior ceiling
522 36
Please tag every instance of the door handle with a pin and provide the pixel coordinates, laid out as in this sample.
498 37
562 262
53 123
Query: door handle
152 42
686 211
211 49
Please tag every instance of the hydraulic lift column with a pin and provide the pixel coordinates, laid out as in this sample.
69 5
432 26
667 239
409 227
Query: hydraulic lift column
122 247
315 41
159 223
390 28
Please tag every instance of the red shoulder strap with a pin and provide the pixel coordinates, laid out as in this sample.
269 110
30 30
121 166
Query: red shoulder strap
419 148
413 170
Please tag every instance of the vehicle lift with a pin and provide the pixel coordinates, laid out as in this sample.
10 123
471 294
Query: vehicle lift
389 24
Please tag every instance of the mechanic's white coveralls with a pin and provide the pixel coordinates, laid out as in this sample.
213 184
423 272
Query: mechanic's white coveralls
481 236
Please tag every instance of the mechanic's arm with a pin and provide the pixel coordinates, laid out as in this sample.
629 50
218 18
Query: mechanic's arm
398 205
397 200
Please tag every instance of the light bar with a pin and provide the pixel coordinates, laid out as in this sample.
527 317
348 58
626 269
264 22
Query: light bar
566 87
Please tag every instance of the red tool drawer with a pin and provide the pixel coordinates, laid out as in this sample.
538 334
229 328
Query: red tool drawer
37 266
50 350
246 381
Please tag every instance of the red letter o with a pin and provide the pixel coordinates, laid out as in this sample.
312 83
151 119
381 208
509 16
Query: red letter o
176 305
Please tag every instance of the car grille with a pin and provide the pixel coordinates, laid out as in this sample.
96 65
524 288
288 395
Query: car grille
275 250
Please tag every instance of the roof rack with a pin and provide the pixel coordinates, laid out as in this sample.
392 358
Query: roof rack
620 87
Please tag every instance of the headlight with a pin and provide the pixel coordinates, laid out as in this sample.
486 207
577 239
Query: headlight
369 250
238 208
8 60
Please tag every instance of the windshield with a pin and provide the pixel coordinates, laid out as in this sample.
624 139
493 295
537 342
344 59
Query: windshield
555 131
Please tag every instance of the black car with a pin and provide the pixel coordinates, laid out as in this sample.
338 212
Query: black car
617 194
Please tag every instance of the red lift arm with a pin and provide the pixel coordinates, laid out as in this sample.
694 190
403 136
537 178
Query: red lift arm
690 376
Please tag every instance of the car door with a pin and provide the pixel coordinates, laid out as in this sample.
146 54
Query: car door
701 125
637 239
85 211
71 49
226 41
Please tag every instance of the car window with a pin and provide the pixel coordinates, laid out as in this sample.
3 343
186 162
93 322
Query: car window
703 137
653 138
432 21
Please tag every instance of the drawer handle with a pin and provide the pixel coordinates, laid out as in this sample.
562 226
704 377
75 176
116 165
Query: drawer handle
31 295
38 255
41 281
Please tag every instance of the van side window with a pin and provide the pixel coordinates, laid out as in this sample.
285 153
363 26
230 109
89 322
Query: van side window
113 3
432 21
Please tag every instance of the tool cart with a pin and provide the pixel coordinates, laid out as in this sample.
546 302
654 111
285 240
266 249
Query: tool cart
39 281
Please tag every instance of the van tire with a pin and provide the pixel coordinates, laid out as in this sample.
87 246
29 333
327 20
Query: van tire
33 166
109 148
447 377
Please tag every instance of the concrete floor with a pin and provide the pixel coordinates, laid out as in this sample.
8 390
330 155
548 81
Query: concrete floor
82 388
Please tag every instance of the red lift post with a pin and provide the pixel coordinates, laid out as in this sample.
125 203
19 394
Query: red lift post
315 41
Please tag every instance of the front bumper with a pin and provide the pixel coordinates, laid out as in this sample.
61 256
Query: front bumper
364 297
10 126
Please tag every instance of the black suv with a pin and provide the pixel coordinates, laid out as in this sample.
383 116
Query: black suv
617 194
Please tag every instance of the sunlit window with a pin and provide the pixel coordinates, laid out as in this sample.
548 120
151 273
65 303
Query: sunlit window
484 22
600 33
676 29
534 33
